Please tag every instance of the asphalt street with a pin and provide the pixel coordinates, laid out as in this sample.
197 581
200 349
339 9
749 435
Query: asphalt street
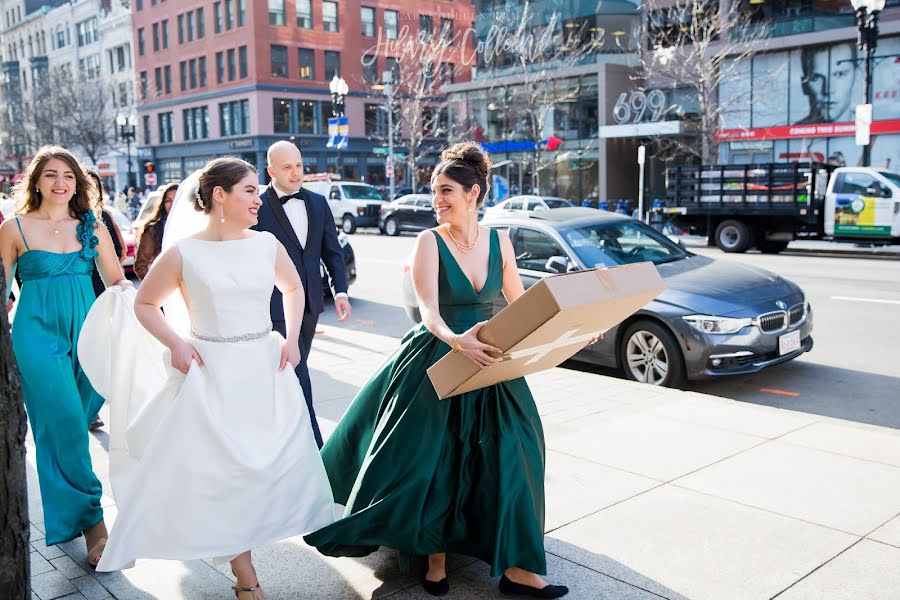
852 373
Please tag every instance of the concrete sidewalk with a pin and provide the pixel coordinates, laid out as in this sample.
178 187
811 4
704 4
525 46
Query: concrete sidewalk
651 493
818 247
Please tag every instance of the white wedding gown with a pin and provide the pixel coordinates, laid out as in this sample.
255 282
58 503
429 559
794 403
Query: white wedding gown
223 459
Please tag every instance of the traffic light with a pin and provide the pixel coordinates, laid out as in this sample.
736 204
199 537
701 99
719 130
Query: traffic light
148 167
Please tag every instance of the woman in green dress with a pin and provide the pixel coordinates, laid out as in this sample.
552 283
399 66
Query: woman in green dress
465 474
54 242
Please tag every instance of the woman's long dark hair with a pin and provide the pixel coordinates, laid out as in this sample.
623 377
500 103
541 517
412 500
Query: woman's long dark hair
157 222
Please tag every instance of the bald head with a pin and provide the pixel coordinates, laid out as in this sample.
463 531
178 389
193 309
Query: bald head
285 166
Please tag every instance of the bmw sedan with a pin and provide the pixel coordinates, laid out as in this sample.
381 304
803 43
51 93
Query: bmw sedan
412 212
715 318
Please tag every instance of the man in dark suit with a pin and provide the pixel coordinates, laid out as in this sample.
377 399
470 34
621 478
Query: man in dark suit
303 223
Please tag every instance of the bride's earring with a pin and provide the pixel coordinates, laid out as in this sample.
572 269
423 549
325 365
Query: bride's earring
222 219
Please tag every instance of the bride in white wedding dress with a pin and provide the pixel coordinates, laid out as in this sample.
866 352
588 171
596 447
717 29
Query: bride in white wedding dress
211 449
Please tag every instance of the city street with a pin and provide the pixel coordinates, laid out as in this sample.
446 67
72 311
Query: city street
852 372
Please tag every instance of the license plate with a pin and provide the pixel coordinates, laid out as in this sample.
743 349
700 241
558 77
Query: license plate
789 342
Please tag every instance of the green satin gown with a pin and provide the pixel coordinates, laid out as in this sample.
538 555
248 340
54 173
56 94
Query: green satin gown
56 296
463 475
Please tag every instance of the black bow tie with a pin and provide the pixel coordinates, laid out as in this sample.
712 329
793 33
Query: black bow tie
298 195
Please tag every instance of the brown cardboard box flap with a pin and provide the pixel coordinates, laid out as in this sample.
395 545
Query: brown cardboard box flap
549 323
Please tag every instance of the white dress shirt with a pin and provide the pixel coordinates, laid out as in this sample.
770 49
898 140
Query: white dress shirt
295 209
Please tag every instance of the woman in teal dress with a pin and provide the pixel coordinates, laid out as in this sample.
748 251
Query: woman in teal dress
53 243
465 474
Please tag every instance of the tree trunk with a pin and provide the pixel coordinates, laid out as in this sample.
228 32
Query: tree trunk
15 567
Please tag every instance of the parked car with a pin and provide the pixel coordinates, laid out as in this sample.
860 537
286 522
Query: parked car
412 212
525 204
128 234
352 203
715 317
349 265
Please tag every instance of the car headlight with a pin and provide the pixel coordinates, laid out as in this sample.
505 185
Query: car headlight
712 324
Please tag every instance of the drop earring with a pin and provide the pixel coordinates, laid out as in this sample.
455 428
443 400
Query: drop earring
222 219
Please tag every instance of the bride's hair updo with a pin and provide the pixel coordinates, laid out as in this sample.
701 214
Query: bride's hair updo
223 172
467 164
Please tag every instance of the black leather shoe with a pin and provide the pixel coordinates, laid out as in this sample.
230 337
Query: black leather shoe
510 588
437 588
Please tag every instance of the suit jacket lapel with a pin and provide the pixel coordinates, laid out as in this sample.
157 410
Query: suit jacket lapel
281 216
310 209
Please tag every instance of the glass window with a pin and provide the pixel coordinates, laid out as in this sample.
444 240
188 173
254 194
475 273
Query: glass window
217 17
306 116
143 83
192 69
182 72
368 21
164 120
231 65
196 123
329 15
448 73
304 14
361 192
426 27
242 62
146 131
332 64
241 12
201 67
229 14
447 30
190 26
423 203
201 25
605 244
373 119
390 24
142 41
234 117
167 75
276 12
534 248
370 69
854 183
279 61
306 63
155 37
180 29
281 115
220 67
165 34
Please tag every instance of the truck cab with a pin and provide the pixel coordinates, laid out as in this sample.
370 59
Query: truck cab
862 203
353 204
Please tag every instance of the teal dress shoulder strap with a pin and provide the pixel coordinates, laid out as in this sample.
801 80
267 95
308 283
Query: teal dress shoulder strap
22 233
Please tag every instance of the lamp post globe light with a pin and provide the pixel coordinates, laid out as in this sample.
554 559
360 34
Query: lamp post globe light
127 133
339 89
867 40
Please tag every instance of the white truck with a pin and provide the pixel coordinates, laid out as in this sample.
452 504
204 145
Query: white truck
739 207
353 203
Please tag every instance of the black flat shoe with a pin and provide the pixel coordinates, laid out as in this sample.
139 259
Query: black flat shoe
437 588
510 588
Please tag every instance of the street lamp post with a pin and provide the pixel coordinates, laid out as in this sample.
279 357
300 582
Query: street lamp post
339 89
388 79
127 133
867 29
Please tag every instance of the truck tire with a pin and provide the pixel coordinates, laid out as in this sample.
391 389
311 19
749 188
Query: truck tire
733 236
770 247
348 224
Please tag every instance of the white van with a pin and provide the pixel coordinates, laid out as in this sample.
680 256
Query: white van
353 204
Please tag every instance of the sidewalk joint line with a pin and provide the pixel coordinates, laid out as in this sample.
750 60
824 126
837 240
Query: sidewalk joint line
817 568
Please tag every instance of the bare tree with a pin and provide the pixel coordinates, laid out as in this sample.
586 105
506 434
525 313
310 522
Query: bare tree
15 570
84 112
693 47
421 65
525 63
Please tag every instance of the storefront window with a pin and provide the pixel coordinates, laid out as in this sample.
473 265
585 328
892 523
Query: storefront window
281 115
306 116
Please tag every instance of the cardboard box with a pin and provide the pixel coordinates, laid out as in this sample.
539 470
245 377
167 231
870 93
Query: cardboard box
549 323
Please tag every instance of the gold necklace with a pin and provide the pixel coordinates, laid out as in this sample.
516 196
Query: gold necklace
55 223
464 248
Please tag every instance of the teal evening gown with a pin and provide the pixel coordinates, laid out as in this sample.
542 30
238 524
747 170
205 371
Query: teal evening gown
56 296
421 475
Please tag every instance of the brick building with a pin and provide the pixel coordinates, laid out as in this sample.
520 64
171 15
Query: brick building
230 77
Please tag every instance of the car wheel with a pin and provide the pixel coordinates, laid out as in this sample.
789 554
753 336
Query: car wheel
348 224
650 354
733 236
767 247
391 227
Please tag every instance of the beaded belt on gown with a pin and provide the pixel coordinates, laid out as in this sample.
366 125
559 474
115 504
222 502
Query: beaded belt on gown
246 337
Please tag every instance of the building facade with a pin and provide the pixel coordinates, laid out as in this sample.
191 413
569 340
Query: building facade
89 38
799 94
231 77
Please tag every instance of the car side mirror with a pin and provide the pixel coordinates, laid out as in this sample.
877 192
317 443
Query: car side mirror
557 264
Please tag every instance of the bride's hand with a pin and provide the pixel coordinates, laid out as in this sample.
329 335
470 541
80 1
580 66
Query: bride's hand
290 353
182 356
467 343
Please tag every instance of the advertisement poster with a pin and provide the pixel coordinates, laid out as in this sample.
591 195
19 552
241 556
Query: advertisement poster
862 215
